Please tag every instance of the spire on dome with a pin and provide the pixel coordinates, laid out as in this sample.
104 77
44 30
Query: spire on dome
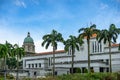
28 34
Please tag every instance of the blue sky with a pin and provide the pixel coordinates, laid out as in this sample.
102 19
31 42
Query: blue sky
39 17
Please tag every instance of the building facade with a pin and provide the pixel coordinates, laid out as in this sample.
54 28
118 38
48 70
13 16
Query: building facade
40 64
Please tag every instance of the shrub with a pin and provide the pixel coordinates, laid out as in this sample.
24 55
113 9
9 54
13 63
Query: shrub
77 70
78 76
92 70
85 70
9 76
49 74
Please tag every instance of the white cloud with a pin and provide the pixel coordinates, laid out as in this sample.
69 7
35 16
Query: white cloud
20 3
36 2
105 18
10 36
103 6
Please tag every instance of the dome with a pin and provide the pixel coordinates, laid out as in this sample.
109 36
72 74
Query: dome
28 39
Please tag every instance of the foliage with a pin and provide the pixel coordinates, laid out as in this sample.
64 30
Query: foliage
88 33
9 76
5 52
11 62
20 64
92 70
77 70
18 51
78 76
85 70
52 39
49 74
109 36
71 44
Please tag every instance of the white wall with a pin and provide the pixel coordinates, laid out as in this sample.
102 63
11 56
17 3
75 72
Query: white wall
81 55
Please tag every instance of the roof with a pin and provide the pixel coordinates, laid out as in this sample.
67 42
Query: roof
115 45
93 36
50 52
28 39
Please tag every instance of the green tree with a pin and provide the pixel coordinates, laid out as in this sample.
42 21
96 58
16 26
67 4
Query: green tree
108 36
5 52
52 39
72 43
88 33
11 62
18 52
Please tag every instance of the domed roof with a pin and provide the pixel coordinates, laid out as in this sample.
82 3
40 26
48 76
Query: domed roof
28 39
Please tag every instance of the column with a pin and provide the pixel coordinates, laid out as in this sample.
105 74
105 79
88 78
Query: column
24 64
94 47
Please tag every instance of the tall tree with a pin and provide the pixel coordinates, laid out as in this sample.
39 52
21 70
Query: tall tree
108 36
5 50
72 43
11 62
88 33
52 39
18 52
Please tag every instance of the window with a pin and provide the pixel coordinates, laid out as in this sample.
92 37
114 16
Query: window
28 65
32 65
49 61
96 47
39 64
101 69
81 48
36 65
100 47
107 61
69 51
107 70
93 47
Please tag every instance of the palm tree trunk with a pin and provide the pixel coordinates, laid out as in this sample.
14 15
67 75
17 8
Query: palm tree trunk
110 65
72 65
17 69
88 42
53 61
5 68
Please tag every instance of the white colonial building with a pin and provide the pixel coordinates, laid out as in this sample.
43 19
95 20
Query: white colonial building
40 64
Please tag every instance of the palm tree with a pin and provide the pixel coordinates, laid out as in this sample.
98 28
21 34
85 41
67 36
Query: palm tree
52 39
18 52
72 43
5 50
11 62
108 36
88 33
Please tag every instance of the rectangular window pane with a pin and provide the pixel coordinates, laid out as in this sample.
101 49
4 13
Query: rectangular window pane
32 65
93 47
36 65
39 64
28 65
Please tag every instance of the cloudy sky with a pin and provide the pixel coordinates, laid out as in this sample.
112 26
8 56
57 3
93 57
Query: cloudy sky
39 17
